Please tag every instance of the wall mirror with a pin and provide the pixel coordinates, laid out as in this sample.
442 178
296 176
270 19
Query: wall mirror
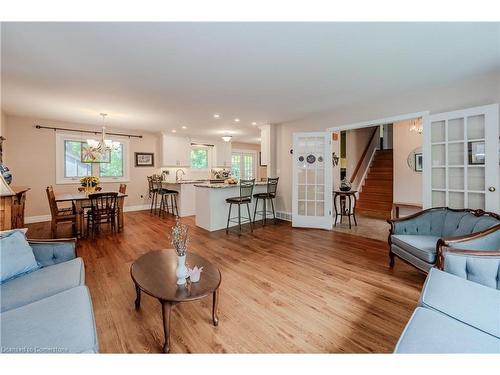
415 160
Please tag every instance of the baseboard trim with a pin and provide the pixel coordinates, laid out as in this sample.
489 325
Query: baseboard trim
42 218
36 219
286 216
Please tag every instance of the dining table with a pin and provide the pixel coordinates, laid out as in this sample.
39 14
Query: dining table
80 199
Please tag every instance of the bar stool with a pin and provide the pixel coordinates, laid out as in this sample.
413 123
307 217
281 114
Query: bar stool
272 186
153 193
165 194
246 190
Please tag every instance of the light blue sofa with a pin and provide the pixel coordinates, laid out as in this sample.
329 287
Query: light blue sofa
459 308
416 238
48 310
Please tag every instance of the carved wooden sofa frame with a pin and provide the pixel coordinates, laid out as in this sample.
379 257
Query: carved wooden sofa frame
443 244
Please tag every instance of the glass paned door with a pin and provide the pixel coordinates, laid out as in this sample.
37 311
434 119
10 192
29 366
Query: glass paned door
312 182
462 170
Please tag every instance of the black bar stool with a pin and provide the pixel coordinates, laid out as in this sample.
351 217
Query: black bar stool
272 186
153 193
165 194
246 190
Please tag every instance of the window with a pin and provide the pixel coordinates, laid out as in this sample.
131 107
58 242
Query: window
73 167
115 168
199 157
69 167
243 164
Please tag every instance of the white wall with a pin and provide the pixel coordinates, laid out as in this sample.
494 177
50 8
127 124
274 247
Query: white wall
356 141
484 89
407 182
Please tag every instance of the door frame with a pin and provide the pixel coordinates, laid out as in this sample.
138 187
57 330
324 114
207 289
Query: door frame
385 120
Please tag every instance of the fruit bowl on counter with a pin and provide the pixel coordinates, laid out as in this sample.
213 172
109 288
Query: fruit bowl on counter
231 181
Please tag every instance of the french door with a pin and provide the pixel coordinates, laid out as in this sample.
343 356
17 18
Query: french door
312 180
461 159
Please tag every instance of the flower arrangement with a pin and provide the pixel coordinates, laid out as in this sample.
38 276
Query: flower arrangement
179 237
89 181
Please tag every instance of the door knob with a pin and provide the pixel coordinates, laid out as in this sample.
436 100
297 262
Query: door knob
491 188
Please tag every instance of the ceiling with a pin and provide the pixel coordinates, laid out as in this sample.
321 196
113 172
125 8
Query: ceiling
162 76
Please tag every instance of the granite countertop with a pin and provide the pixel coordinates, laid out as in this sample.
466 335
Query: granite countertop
225 186
181 182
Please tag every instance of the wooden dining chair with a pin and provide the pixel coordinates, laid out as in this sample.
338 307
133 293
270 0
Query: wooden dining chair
103 210
122 189
120 203
59 215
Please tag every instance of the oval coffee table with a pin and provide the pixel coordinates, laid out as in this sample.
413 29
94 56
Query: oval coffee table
154 274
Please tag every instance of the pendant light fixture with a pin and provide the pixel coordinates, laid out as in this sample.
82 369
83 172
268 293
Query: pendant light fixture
104 145
227 138
416 125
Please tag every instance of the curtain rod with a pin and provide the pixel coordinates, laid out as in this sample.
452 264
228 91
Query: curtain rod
87 131
201 144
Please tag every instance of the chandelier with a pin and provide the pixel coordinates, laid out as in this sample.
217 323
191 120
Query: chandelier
104 145
416 125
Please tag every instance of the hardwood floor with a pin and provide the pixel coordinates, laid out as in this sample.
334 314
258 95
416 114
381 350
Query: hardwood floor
284 290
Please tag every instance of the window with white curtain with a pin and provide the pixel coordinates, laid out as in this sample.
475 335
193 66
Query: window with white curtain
243 164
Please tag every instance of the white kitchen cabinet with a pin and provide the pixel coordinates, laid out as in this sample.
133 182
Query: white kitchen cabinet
223 151
176 151
265 144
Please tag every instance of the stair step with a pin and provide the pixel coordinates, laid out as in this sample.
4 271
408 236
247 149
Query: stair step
377 196
385 206
374 213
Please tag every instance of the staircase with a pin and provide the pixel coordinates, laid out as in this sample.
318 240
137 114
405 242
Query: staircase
375 199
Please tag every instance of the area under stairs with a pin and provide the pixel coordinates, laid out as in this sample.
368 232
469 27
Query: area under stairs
375 197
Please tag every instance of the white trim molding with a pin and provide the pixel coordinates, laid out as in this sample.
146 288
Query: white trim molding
42 218
386 120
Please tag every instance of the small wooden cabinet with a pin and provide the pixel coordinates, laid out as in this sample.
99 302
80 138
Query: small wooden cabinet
176 151
12 208
223 154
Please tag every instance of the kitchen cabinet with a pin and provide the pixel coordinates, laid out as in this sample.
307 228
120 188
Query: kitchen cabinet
223 151
265 144
176 151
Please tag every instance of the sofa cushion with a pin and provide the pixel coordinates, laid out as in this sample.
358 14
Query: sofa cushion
429 331
16 255
422 247
479 269
62 323
41 283
463 300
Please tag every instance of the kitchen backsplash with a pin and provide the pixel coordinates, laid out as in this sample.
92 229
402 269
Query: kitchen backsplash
193 174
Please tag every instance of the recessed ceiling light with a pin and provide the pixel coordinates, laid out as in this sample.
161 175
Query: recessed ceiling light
254 123
236 119
216 115
184 127
174 131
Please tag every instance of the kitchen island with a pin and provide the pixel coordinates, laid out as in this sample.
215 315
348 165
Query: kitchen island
185 199
211 206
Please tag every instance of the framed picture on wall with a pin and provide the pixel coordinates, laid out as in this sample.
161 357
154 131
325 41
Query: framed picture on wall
144 159
419 162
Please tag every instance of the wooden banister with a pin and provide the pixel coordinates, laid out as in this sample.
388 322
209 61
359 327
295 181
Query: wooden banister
360 161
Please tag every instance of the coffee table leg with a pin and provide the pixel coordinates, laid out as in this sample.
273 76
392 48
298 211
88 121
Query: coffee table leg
215 304
138 298
166 308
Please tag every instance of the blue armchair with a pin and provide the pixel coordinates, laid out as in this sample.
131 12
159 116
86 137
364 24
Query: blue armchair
416 239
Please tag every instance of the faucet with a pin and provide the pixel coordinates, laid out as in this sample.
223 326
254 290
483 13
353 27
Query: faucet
177 174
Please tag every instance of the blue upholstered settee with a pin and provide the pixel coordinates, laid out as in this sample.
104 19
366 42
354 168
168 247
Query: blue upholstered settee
459 308
416 238
48 310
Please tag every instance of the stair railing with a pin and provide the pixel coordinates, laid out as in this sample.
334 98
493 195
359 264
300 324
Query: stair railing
363 155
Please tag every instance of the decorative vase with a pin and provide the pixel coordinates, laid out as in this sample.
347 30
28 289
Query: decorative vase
181 271
345 185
